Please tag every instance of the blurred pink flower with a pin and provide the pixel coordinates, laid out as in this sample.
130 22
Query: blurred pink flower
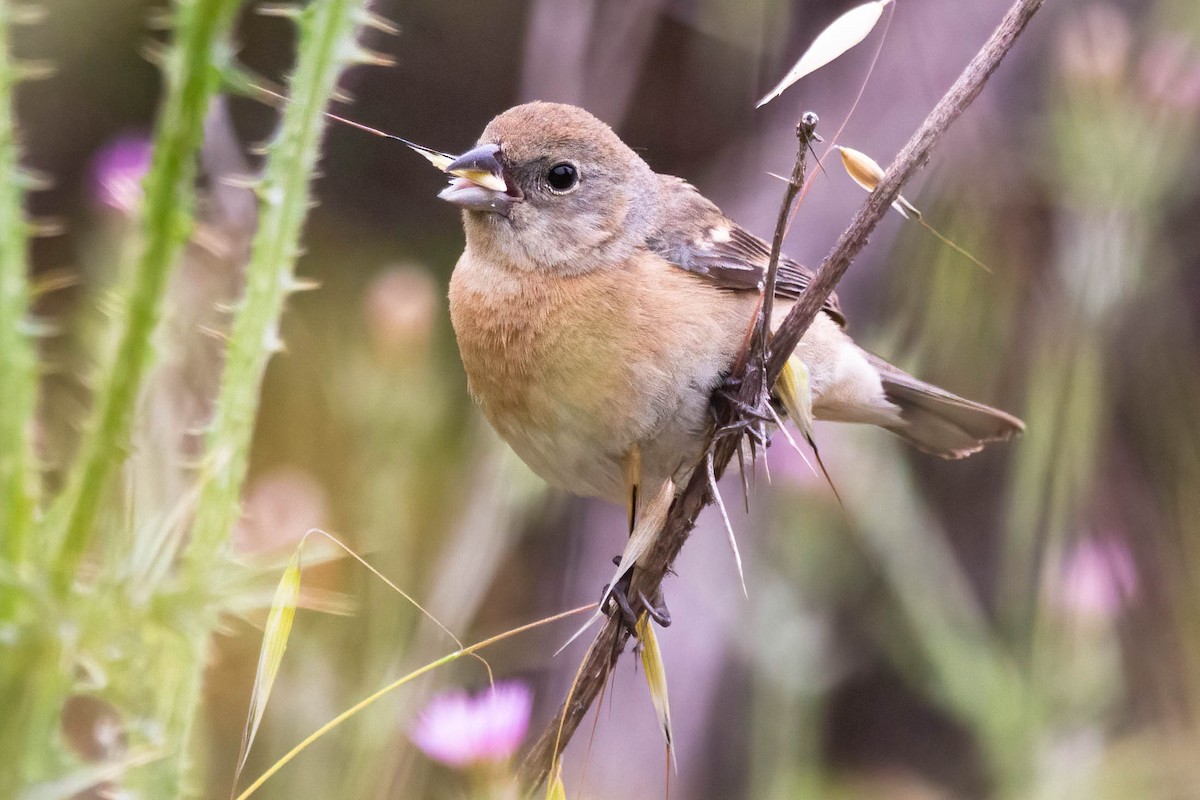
401 306
279 508
1170 73
1098 578
461 731
117 172
1094 44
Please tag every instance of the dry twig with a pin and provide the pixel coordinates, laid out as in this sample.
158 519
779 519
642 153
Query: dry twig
602 656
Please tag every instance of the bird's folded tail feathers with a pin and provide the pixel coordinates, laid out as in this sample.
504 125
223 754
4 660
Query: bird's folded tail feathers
938 422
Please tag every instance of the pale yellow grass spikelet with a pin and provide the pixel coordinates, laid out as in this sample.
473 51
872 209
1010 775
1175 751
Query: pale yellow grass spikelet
796 395
867 174
558 790
656 678
275 639
438 159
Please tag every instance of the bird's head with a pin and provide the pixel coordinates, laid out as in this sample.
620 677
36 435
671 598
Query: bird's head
551 187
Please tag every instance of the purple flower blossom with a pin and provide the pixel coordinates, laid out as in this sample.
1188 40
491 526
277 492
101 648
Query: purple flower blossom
462 731
117 172
1098 578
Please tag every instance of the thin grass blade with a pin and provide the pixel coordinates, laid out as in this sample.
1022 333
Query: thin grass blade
396 684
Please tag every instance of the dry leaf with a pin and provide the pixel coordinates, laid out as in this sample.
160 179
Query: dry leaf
843 33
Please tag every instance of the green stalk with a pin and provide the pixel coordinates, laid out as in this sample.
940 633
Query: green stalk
18 360
327 30
201 26
327 44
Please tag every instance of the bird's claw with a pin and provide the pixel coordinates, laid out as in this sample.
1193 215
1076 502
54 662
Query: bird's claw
616 600
749 419
747 411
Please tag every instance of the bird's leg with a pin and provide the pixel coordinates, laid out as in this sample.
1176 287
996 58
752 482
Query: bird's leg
747 418
656 608
616 596
752 412
616 599
632 467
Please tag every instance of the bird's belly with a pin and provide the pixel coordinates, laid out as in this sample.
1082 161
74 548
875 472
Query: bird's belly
585 449
576 421
577 377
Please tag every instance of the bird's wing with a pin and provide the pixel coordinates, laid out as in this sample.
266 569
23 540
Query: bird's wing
694 235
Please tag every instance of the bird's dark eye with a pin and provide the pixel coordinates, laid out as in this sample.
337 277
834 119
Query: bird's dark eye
562 177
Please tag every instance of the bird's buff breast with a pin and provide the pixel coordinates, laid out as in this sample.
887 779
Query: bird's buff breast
575 371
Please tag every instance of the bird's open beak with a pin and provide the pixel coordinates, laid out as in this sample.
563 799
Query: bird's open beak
479 183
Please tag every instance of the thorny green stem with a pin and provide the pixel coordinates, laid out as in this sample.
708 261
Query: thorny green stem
166 221
18 358
327 44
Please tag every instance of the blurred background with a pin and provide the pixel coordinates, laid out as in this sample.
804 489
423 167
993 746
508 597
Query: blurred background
1019 624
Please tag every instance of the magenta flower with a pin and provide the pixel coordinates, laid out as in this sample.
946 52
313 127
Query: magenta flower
117 172
462 731
1098 578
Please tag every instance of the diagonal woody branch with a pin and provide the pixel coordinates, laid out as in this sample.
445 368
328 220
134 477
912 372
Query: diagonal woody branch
604 651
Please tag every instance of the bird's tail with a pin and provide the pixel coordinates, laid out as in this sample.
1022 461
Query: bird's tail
938 422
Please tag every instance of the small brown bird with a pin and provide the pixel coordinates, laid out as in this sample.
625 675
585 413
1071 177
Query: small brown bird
598 304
